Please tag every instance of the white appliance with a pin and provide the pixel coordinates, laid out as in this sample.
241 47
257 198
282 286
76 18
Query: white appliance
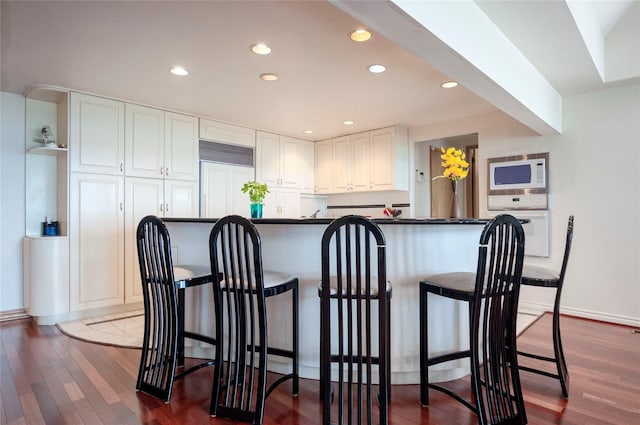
536 231
519 175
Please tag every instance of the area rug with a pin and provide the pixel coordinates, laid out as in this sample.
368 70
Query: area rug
126 329
121 330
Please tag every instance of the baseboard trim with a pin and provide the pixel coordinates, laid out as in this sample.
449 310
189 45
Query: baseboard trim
585 314
20 313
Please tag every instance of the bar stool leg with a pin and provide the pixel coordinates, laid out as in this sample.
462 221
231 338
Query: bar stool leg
424 347
180 348
563 374
295 329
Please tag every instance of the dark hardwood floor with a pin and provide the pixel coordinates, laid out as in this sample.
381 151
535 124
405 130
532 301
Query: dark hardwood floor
49 378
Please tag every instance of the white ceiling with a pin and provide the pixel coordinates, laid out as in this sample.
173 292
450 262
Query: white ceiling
125 49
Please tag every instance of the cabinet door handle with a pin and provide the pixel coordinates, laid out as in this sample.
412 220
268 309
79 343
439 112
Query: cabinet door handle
166 208
161 207
166 171
121 206
121 167
161 170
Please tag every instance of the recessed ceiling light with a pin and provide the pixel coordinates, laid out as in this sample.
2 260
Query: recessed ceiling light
261 49
449 84
308 131
268 77
360 35
349 122
178 70
377 68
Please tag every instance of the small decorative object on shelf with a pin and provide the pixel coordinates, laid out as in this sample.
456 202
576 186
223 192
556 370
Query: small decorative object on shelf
47 134
455 168
257 191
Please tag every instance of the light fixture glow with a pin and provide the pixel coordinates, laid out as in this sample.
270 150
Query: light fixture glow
377 68
449 84
261 49
268 77
308 131
360 35
178 70
349 122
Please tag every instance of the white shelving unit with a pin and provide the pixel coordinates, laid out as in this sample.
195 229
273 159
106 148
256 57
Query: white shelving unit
46 258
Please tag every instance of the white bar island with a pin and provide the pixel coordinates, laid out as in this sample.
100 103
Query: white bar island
415 248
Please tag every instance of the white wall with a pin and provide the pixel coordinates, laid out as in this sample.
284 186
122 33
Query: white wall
594 175
12 200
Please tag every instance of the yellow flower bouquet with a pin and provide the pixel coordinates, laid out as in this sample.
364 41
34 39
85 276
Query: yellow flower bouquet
454 163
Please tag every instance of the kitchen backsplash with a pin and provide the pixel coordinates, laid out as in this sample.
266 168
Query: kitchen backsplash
367 203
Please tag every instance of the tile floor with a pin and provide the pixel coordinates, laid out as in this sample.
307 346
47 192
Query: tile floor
122 329
126 329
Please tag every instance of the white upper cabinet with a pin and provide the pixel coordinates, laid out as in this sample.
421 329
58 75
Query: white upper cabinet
181 146
324 166
341 164
144 141
227 133
96 142
389 154
278 160
307 166
359 162
160 144
368 161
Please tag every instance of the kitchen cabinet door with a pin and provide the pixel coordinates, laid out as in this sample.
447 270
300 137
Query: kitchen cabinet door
278 160
180 198
144 141
306 167
96 143
96 251
268 158
221 192
359 162
282 203
143 197
389 159
341 164
181 155
289 162
324 166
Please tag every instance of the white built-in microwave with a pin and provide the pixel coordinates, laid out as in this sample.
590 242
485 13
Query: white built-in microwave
523 174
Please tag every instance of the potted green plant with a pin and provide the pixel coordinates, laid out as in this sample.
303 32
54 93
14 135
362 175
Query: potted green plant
257 191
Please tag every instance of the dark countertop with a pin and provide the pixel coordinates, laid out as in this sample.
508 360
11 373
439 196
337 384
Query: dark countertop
412 221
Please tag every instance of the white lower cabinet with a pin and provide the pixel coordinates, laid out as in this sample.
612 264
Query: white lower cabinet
162 198
282 203
221 189
96 241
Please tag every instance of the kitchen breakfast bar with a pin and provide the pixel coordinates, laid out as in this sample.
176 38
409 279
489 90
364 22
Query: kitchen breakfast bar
415 248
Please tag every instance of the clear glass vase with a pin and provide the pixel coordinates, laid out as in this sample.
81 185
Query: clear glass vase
455 204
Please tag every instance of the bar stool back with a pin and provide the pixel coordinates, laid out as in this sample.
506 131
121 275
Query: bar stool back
240 290
543 277
163 329
492 293
353 278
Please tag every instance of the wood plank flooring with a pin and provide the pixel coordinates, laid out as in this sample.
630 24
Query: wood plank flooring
49 378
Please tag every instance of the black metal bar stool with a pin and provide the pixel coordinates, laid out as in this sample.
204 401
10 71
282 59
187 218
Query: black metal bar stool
240 290
492 295
163 339
543 277
353 279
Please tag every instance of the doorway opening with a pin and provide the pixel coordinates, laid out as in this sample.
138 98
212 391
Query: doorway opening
433 197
